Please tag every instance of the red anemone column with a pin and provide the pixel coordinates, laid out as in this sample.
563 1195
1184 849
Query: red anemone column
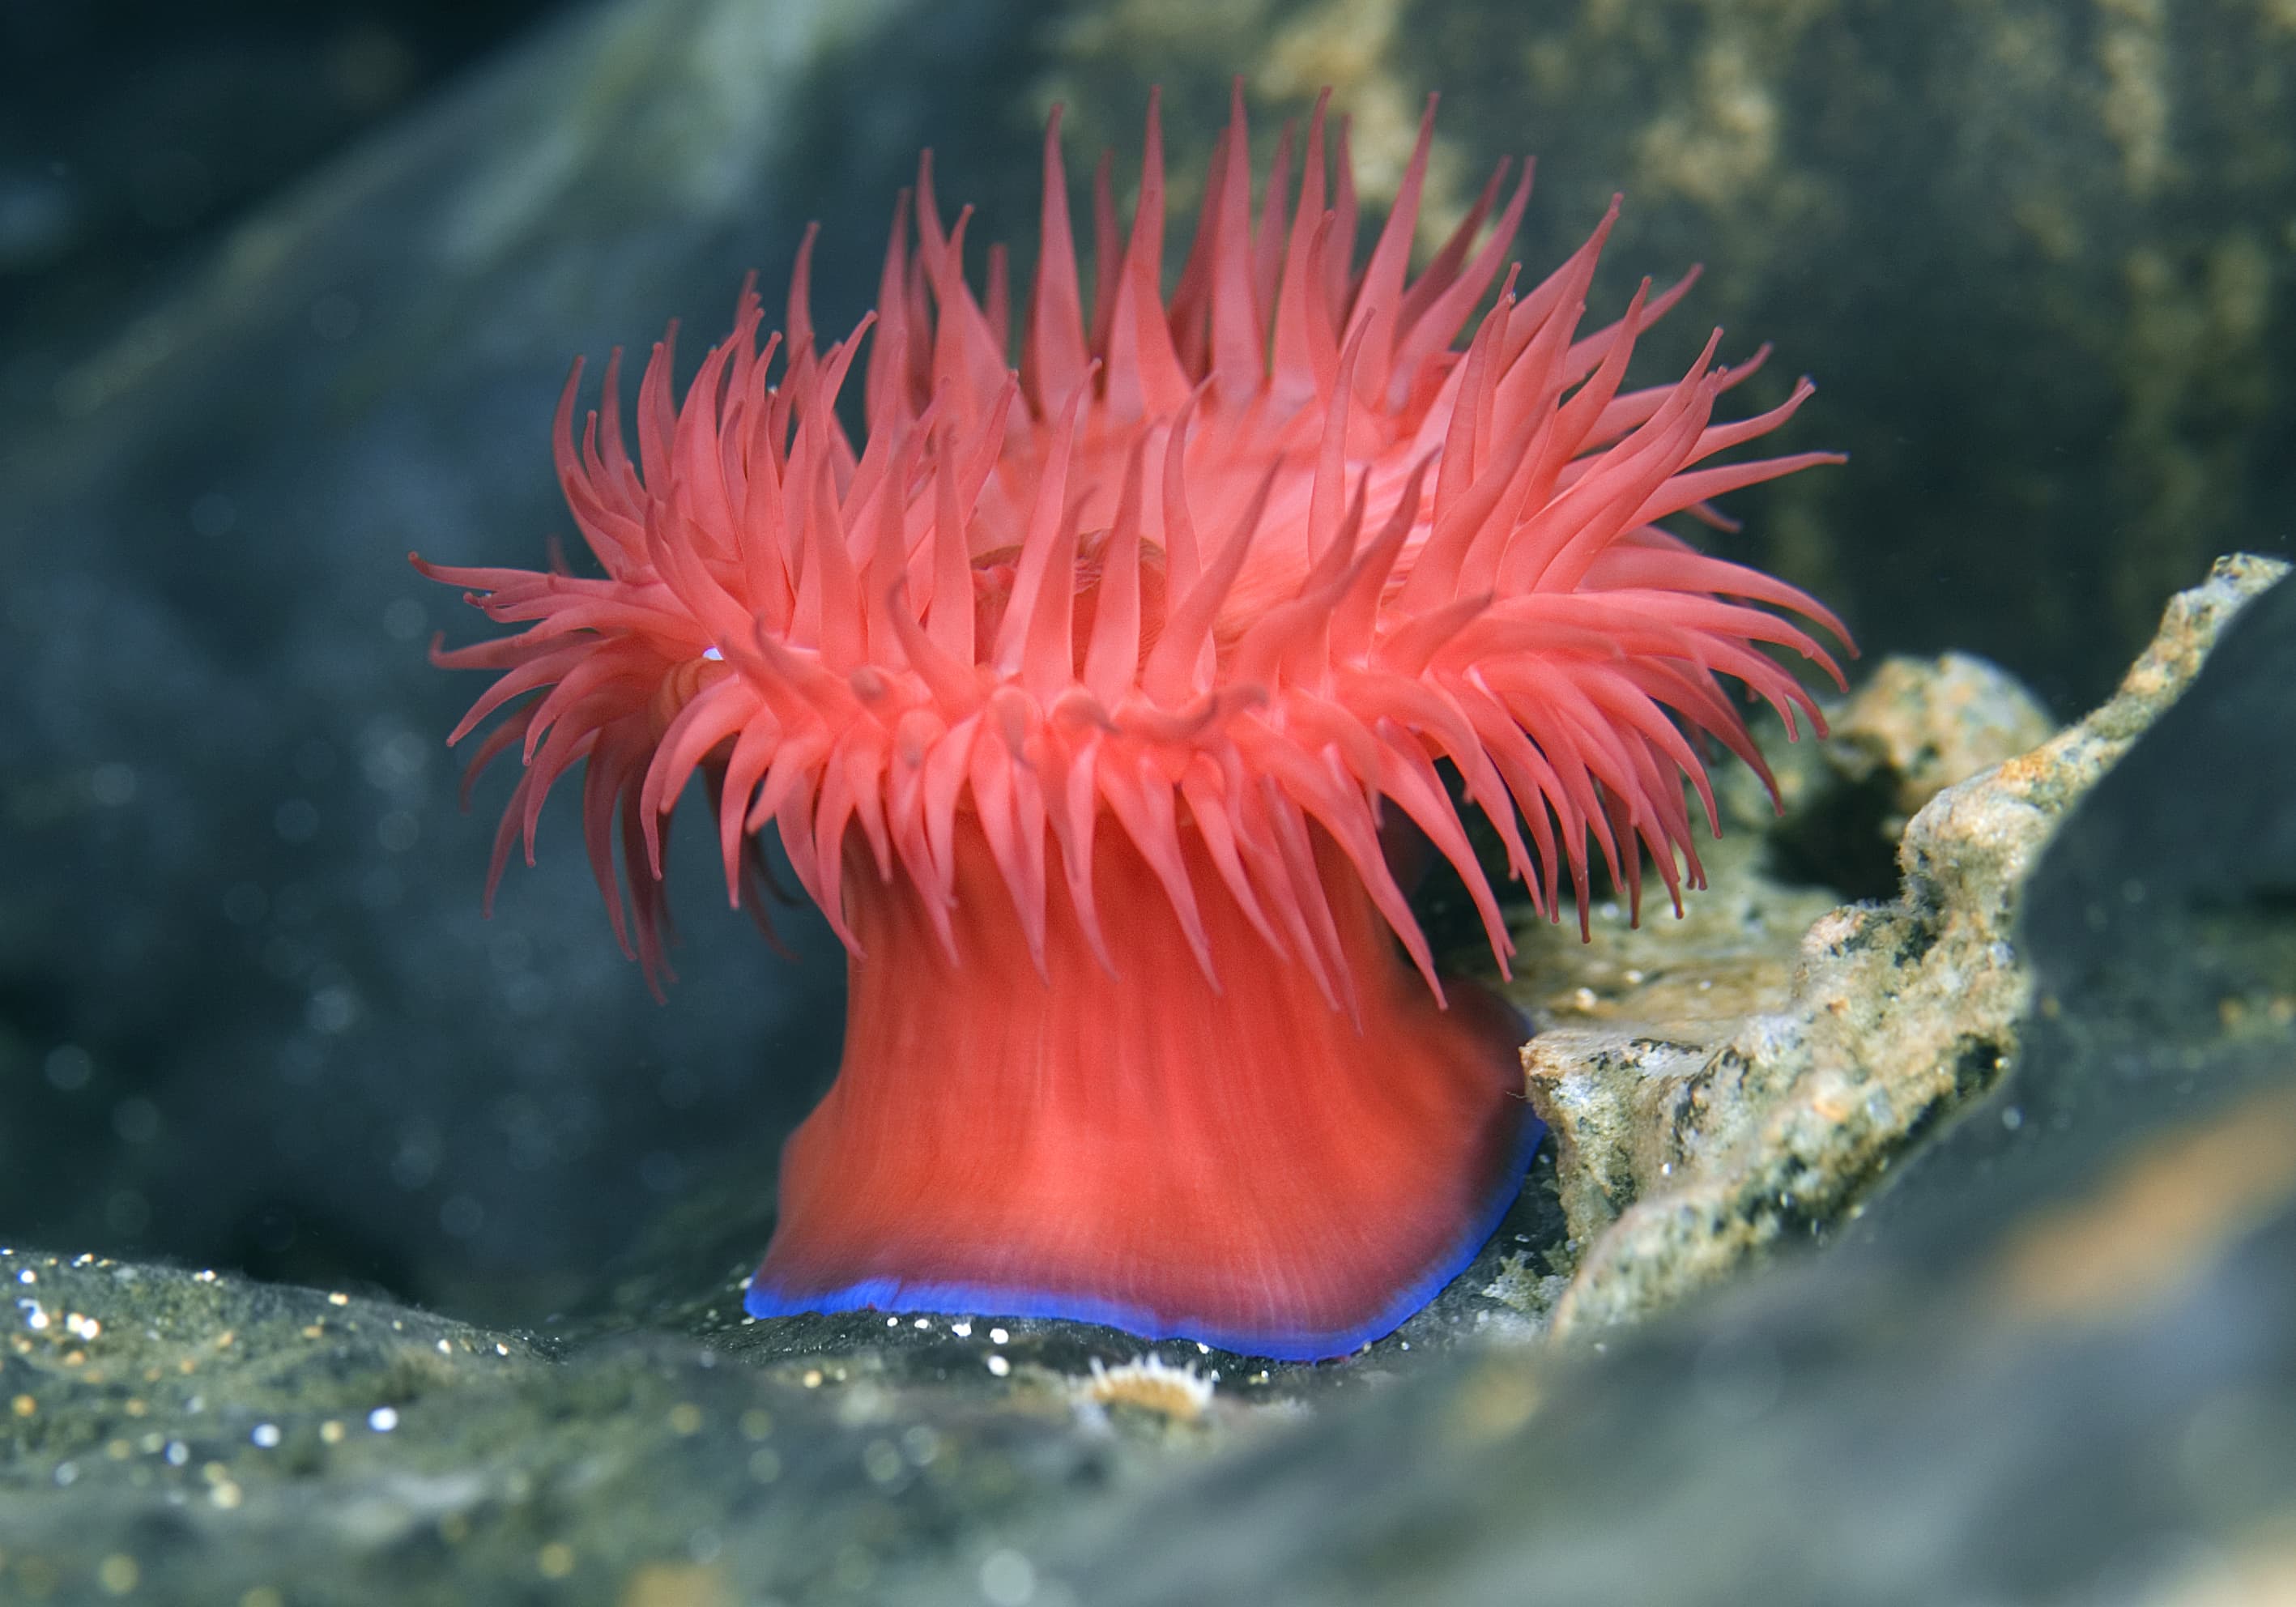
1241 1163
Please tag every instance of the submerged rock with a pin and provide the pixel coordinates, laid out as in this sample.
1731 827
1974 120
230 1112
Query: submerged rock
206 1438
186 1437
1912 728
1919 727
1687 1144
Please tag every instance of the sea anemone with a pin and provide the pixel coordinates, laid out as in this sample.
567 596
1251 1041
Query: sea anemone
1088 701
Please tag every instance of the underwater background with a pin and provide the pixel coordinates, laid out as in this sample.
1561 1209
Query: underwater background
288 291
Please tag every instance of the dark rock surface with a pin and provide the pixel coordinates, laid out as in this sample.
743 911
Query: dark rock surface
177 1436
210 1440
133 131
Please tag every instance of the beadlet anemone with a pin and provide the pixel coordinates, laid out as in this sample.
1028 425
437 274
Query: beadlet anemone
1088 699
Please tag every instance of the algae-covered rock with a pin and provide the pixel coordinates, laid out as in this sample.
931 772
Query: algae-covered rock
1921 727
1913 727
191 1437
1684 1154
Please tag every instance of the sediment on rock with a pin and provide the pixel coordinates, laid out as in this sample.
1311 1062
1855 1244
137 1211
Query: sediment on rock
1687 1147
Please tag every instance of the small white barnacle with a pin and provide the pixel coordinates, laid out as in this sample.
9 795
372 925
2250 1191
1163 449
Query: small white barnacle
1148 1383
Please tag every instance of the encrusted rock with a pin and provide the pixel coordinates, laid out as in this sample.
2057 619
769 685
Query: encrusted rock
1924 724
1686 1148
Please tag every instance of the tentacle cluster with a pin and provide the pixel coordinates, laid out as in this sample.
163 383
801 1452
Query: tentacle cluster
1248 561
